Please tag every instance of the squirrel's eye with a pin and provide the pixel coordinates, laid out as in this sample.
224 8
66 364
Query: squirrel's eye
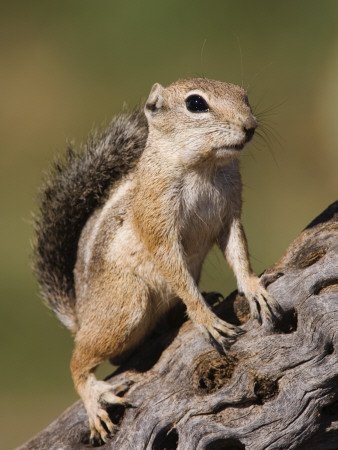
196 104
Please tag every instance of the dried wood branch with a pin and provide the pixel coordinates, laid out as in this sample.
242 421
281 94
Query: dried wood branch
275 388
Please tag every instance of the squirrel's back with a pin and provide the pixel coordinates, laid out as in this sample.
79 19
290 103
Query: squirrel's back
73 189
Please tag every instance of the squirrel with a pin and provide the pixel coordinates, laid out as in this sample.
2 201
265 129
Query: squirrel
124 226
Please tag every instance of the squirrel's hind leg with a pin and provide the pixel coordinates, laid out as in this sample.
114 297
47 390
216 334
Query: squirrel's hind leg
108 329
95 394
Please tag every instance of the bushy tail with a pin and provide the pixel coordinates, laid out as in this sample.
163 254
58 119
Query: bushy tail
73 189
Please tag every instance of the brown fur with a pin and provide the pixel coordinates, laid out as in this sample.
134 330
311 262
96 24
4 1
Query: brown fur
145 246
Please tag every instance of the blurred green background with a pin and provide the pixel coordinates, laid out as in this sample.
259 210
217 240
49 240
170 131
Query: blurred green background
69 65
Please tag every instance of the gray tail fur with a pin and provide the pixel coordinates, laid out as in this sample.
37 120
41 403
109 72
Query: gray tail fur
74 187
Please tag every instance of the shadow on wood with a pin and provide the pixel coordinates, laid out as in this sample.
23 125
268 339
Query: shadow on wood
275 388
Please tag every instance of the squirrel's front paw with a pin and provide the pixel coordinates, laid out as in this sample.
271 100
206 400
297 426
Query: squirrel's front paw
263 307
221 334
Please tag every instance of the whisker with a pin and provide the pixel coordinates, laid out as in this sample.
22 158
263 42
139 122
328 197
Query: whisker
270 109
270 130
256 75
202 49
241 58
268 138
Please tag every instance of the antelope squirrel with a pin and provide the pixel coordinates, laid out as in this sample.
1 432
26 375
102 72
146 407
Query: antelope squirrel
124 227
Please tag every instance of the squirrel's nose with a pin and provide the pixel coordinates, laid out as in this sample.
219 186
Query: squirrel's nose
249 126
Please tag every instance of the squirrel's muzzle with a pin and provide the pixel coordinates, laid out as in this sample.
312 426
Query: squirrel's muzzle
249 127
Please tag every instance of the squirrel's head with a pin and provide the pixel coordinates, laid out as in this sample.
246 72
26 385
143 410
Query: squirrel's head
200 119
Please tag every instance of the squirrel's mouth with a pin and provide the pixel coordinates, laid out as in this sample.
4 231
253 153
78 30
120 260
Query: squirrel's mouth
237 147
230 147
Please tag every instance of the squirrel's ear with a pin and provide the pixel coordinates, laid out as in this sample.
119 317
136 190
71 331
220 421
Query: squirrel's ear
155 99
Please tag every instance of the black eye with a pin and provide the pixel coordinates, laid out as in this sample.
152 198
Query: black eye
196 104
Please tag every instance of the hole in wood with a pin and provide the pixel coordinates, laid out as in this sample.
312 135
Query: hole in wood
331 410
329 348
265 389
309 256
330 285
212 371
288 323
116 413
225 444
85 438
166 439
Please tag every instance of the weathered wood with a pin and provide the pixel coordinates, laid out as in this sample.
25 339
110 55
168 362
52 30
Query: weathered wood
275 388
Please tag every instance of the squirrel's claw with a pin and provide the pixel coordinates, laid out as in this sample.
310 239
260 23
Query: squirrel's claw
122 387
101 428
263 307
222 334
